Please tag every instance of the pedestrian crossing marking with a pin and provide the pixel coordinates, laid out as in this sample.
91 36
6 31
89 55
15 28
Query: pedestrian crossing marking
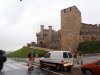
20 65
13 66
5 68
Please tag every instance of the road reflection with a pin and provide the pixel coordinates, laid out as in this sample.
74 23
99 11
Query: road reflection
75 71
16 68
38 71
43 71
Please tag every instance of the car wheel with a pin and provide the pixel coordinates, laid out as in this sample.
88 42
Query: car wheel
41 64
69 69
88 72
58 67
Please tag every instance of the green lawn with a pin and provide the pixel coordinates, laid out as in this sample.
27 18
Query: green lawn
23 52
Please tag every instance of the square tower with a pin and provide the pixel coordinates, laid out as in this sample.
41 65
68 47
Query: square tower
70 28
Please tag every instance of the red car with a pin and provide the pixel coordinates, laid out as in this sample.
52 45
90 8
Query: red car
91 68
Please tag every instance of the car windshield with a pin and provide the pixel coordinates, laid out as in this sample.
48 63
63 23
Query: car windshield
47 55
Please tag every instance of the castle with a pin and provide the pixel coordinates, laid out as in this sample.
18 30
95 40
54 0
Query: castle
72 32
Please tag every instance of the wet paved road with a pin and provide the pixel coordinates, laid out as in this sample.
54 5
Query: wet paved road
18 68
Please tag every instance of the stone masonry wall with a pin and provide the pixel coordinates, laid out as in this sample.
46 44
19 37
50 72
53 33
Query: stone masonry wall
70 28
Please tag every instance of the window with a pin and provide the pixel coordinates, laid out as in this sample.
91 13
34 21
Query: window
70 55
64 10
47 55
81 32
65 55
70 8
93 38
41 43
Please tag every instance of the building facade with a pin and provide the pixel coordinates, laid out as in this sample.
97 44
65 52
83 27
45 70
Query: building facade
72 32
49 38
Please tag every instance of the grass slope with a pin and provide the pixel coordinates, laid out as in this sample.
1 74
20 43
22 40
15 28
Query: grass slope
23 52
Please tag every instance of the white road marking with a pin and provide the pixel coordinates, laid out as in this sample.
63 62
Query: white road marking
20 65
13 66
46 69
5 68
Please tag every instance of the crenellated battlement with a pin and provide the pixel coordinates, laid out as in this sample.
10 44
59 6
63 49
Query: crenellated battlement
70 9
93 26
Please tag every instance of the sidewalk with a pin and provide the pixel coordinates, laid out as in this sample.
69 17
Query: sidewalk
86 60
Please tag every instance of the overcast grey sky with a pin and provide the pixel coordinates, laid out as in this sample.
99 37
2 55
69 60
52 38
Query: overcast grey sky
20 21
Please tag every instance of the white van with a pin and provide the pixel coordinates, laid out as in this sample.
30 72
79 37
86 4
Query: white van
57 59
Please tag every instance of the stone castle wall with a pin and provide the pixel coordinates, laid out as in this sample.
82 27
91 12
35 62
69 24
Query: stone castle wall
90 32
72 32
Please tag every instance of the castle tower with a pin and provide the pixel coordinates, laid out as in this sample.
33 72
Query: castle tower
70 28
42 29
39 35
50 35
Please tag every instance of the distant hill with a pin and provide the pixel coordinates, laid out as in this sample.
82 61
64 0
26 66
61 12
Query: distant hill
23 52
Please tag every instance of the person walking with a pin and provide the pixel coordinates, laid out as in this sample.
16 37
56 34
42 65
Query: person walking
33 56
75 58
30 61
3 59
80 61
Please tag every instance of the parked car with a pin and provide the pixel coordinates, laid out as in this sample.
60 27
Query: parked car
91 68
2 58
57 59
